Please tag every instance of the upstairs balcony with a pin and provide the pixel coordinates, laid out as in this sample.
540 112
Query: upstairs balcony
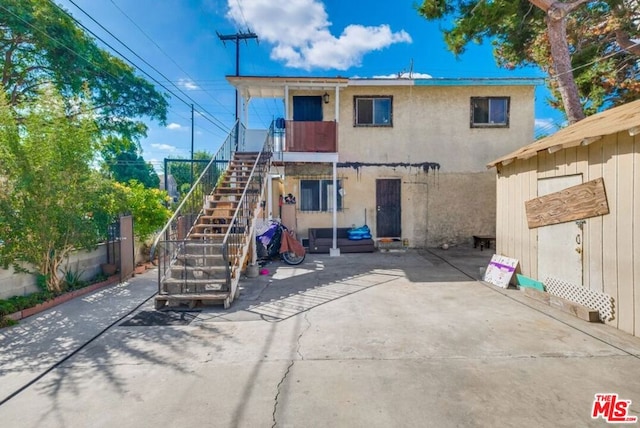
310 137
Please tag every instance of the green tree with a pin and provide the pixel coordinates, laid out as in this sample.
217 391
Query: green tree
585 46
41 46
124 163
147 206
48 190
181 171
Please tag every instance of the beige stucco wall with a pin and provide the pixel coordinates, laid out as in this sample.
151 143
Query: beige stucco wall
431 124
436 207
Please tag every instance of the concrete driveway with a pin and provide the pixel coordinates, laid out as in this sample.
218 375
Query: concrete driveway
364 340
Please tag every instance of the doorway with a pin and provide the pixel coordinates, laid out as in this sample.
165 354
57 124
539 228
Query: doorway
560 245
388 212
307 108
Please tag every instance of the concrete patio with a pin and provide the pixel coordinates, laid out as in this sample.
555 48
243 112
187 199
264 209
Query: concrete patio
389 339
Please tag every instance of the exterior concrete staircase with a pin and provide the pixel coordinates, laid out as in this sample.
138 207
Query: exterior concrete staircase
204 265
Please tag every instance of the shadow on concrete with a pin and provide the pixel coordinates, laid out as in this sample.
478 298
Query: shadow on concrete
287 291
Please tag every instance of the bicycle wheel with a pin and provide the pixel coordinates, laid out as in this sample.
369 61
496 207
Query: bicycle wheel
291 258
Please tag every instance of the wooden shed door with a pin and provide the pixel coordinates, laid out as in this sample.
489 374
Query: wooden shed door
560 245
388 218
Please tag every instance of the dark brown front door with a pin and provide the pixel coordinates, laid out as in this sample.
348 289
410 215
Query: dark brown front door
388 219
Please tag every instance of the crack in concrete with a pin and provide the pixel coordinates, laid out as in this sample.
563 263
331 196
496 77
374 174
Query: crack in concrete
286 373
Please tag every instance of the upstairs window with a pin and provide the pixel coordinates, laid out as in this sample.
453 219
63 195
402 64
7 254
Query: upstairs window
317 195
373 111
488 112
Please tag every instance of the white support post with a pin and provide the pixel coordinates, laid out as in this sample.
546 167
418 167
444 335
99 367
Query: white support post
270 196
245 106
337 101
335 251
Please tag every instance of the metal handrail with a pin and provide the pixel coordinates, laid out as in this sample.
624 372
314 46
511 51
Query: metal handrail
225 149
244 212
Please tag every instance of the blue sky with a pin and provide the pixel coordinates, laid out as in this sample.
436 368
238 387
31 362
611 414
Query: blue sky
296 38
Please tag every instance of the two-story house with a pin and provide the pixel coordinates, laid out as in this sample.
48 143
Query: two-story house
406 156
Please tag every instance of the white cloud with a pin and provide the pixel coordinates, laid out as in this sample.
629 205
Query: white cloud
164 147
299 31
174 126
188 84
405 75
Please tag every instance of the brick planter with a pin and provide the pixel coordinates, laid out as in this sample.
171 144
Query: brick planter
16 316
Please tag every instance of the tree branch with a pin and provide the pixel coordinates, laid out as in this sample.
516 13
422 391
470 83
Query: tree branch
625 42
558 7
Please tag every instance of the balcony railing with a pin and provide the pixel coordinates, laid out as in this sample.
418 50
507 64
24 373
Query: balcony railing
311 137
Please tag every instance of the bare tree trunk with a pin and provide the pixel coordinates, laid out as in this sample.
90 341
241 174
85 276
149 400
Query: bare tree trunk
557 31
557 12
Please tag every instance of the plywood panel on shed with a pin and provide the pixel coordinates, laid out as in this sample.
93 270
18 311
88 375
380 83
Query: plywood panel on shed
575 203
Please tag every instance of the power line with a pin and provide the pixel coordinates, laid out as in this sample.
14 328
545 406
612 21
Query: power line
242 14
131 62
167 55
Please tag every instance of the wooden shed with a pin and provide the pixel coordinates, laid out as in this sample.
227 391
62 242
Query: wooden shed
568 206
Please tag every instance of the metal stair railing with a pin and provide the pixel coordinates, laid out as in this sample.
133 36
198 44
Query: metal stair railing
171 240
239 236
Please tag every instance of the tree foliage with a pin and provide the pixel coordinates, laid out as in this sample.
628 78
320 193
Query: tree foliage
124 163
48 191
584 44
181 171
41 46
147 206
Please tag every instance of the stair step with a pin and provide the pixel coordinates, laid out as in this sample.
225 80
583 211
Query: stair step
211 227
227 219
229 190
169 300
215 283
189 257
209 236
208 268
196 275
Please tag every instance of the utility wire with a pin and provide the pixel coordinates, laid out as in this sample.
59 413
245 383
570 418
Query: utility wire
167 55
221 127
87 60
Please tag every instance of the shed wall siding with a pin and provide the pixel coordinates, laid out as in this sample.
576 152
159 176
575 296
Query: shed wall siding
611 246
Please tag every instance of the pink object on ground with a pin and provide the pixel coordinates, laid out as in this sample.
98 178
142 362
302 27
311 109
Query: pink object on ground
264 271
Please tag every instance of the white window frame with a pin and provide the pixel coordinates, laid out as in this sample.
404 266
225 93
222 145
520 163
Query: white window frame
491 101
388 123
325 196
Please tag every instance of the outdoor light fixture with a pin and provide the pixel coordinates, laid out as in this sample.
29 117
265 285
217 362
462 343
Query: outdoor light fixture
325 97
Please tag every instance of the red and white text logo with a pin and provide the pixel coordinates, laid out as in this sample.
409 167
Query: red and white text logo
612 409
